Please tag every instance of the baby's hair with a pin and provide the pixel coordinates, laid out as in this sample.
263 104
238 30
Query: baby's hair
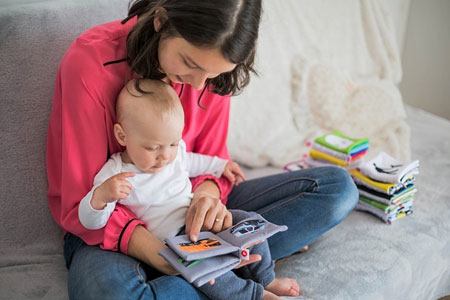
161 97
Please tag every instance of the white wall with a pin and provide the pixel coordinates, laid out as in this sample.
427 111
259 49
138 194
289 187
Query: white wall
426 57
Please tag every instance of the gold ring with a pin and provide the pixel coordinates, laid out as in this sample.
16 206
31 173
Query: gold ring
218 220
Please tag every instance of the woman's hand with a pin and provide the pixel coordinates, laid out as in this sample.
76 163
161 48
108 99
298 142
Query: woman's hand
251 259
207 212
145 247
233 173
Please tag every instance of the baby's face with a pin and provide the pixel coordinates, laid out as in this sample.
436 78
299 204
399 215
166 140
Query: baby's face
154 145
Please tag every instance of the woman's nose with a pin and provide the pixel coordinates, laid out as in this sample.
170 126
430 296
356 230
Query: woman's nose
198 81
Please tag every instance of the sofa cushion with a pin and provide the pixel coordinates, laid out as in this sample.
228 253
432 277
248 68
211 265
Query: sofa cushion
34 36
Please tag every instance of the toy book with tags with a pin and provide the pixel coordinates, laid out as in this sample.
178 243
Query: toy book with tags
216 253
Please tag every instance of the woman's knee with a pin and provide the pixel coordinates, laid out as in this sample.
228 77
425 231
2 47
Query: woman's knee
99 274
175 288
342 193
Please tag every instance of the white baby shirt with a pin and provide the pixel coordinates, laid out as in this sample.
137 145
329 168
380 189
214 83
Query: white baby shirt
161 200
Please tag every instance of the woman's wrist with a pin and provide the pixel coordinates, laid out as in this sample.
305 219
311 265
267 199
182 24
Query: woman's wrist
145 247
207 188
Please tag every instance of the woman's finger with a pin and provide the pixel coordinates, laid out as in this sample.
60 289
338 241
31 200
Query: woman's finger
189 217
239 173
251 259
228 220
219 220
239 179
211 214
253 244
197 221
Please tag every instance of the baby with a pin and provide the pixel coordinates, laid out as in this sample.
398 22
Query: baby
151 178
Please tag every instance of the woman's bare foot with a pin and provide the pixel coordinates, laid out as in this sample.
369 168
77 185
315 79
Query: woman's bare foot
284 287
270 296
303 250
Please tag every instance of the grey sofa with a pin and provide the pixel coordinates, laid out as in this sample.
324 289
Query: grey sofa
34 36
362 258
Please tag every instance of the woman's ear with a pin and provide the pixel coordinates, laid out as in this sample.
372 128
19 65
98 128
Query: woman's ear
119 134
160 18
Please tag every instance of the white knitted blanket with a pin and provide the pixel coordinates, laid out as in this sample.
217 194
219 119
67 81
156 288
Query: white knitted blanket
323 65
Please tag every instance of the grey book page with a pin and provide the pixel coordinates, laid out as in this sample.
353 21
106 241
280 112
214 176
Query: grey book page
250 230
202 270
208 245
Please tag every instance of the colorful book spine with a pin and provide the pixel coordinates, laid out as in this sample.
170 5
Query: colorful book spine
341 143
388 188
324 156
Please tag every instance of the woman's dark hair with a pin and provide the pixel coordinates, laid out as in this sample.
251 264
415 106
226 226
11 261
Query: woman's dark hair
230 25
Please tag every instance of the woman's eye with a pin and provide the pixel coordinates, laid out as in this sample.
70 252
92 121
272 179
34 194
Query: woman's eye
191 67
174 145
188 64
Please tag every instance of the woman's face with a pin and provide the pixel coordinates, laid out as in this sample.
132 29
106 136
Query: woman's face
186 63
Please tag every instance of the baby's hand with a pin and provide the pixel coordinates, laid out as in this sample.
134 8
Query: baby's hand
233 173
113 189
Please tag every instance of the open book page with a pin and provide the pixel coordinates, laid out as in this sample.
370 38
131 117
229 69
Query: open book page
207 245
250 230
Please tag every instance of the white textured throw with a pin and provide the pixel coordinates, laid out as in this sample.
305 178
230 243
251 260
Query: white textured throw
306 57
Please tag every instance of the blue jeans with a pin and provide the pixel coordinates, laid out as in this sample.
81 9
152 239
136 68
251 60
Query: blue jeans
309 202
98 274
247 282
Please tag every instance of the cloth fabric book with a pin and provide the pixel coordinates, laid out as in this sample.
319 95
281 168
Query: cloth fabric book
386 208
386 217
216 253
324 156
398 197
385 168
337 154
384 187
341 143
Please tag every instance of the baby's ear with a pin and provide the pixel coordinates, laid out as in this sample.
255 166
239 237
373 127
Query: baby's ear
119 134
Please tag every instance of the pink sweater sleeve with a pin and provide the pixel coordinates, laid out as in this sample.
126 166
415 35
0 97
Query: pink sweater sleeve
78 144
212 140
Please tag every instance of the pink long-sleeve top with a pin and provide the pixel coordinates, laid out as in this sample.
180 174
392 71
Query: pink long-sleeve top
80 135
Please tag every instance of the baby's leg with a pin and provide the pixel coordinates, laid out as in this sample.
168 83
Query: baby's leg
263 271
284 287
230 286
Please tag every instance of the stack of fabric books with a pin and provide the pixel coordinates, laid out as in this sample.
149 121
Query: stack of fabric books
337 149
386 187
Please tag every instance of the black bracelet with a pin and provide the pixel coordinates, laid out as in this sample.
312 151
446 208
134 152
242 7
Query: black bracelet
121 234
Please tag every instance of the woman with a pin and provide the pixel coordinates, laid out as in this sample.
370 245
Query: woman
205 49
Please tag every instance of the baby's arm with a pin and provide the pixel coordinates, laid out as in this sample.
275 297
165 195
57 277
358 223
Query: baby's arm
97 206
200 164
113 189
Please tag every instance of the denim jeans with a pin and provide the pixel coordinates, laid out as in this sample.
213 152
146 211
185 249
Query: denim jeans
247 282
309 202
99 274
